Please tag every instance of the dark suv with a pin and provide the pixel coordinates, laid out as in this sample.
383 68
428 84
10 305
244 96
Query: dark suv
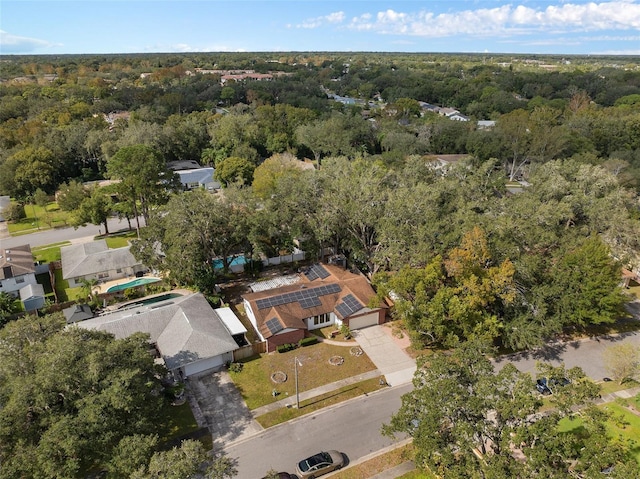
546 386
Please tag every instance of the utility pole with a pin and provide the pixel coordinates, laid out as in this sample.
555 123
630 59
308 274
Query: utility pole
295 359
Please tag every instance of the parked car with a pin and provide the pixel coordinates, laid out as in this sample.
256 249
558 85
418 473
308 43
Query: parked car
283 475
546 386
319 464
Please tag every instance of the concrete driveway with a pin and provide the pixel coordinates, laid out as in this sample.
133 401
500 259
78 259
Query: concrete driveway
220 407
387 353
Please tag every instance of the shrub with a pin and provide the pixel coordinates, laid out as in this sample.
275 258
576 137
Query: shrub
236 367
15 212
283 348
308 341
346 332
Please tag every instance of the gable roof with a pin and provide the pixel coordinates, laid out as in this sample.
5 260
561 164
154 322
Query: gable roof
31 291
16 261
185 329
321 289
77 312
202 176
94 257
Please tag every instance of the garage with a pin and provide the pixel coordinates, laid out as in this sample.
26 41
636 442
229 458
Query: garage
207 364
363 321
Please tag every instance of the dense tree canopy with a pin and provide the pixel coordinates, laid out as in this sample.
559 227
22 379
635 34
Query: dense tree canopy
69 396
466 420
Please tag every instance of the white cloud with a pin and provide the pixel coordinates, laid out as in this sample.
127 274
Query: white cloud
16 44
505 20
332 18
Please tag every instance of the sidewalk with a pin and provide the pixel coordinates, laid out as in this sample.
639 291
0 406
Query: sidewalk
290 401
624 394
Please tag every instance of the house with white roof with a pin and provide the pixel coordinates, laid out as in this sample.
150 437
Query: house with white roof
198 178
191 337
94 260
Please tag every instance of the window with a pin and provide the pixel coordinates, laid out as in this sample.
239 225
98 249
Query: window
19 280
119 270
321 319
103 275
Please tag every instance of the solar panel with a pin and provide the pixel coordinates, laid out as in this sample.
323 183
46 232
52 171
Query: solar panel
310 303
348 306
316 271
274 325
308 295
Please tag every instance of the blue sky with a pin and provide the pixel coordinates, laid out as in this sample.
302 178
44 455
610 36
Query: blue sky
492 26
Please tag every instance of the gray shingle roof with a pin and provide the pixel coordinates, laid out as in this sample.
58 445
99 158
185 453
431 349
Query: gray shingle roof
185 329
93 258
31 290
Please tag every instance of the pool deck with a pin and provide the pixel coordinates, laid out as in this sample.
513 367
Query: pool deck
103 288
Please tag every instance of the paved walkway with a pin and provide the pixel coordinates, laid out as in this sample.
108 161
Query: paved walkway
386 350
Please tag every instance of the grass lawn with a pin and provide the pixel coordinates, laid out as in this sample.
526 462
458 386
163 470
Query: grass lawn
613 386
255 384
39 218
48 253
319 402
120 240
380 463
624 424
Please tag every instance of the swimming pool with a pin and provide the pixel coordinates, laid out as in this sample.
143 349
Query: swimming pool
238 260
132 284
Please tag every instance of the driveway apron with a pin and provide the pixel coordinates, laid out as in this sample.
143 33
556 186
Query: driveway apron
386 353
222 408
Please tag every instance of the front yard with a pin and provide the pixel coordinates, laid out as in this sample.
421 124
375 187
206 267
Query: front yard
256 386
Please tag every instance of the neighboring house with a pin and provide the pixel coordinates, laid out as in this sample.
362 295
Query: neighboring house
445 162
17 269
190 336
458 117
486 124
32 297
95 260
198 178
77 312
322 296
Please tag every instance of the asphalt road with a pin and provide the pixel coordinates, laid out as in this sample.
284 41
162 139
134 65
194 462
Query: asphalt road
57 235
587 354
352 427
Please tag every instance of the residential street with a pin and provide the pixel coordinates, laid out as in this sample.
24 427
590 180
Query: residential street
41 238
352 427
586 353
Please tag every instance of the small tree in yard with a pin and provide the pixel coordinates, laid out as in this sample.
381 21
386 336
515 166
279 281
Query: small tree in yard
622 361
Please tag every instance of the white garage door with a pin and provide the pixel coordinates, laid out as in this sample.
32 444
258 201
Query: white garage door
363 321
204 365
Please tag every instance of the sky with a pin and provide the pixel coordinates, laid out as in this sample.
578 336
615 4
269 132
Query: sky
469 26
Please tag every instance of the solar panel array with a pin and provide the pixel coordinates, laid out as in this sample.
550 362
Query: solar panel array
307 298
274 325
316 271
348 306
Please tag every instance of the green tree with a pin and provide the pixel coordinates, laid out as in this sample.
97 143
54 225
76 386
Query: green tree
466 420
95 209
587 285
8 306
622 361
71 195
194 229
234 170
68 396
144 178
132 454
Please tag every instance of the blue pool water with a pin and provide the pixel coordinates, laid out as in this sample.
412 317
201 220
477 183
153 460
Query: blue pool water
238 260
132 284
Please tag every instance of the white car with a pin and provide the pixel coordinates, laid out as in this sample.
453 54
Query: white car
319 464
